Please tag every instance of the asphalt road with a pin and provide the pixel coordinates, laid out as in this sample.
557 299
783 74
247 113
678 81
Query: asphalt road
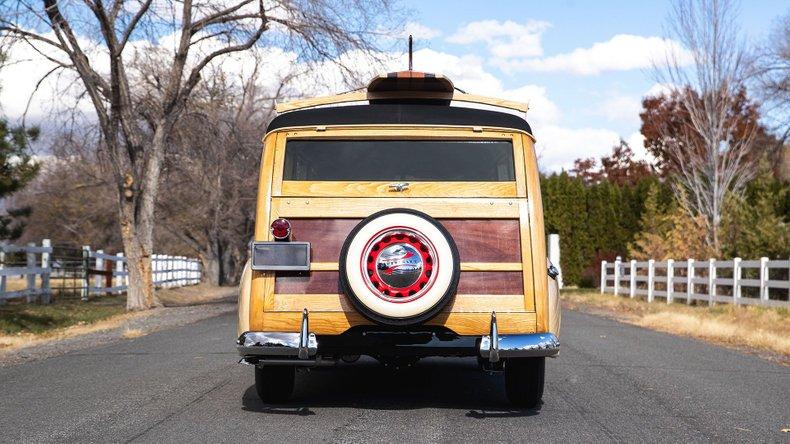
612 382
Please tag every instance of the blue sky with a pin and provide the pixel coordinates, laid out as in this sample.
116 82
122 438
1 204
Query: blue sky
598 103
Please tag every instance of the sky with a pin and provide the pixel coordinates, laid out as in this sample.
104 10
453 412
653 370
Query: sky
583 66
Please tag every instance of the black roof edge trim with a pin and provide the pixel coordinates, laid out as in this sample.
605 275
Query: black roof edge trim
398 114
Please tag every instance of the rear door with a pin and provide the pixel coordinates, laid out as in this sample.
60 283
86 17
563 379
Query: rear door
326 180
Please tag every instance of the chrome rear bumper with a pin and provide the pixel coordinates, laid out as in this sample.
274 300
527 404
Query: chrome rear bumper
277 348
530 345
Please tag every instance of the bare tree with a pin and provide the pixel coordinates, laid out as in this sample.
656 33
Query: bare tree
95 38
770 77
710 160
212 171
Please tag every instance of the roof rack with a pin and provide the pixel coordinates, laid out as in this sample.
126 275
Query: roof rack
407 86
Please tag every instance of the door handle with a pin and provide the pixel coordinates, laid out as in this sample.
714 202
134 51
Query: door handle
398 187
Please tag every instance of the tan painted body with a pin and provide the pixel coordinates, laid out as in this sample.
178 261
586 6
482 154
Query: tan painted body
261 308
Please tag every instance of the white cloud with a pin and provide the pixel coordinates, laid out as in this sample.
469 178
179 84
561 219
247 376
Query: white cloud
419 31
557 147
620 53
622 109
504 39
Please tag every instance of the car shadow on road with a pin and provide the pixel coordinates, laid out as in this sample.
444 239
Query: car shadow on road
433 383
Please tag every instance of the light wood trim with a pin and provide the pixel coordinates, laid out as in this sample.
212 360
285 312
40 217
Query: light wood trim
333 323
491 266
400 132
526 257
323 266
279 163
328 207
465 303
518 158
358 95
534 206
362 95
465 266
263 282
382 189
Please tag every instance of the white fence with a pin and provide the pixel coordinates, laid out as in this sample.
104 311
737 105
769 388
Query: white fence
92 272
755 282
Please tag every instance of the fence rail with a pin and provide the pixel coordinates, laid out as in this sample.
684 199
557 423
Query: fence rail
93 272
749 282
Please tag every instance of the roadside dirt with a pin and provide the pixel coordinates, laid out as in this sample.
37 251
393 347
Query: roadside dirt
181 306
761 331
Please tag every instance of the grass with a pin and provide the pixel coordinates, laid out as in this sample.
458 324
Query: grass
17 317
757 328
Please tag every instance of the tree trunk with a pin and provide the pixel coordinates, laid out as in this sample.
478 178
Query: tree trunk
138 249
211 267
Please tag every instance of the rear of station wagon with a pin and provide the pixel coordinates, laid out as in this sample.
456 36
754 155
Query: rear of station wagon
399 222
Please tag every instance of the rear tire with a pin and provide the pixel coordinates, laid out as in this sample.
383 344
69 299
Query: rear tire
275 384
524 381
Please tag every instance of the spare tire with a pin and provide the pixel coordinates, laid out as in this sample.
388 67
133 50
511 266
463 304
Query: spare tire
399 267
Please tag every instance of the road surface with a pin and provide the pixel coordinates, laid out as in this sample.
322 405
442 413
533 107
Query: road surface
612 382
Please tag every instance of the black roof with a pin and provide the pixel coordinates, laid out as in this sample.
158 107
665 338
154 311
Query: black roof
400 113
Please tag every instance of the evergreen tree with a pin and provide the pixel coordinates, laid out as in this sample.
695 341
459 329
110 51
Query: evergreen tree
16 170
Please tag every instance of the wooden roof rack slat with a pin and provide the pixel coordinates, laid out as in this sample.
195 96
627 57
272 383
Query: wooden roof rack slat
361 95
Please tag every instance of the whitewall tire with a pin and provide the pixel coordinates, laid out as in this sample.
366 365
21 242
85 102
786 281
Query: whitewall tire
399 267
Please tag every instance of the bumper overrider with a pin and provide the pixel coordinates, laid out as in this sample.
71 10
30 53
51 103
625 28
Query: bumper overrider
302 348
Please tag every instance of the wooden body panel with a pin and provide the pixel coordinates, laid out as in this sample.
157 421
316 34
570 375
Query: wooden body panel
497 274
478 240
470 282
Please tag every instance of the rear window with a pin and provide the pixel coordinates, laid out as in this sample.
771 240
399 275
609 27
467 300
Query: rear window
399 160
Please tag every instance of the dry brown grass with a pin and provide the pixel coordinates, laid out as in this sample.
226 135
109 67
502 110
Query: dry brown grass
196 295
765 329
10 342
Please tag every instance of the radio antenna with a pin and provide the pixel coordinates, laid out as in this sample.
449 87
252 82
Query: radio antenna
411 47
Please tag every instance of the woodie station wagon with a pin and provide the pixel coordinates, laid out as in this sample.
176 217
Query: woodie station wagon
400 221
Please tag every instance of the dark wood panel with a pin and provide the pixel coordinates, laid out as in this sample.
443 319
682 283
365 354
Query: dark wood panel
471 282
314 282
485 240
478 240
326 236
491 282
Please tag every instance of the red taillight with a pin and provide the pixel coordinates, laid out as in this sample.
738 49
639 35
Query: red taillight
281 229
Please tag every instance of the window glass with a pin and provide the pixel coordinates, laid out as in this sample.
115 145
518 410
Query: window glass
399 160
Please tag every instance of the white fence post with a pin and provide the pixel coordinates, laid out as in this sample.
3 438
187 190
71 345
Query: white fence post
689 281
3 277
763 280
119 278
46 290
603 276
86 262
651 273
632 284
736 281
30 262
617 264
97 280
711 280
670 279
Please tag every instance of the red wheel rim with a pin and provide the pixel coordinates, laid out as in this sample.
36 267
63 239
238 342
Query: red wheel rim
399 264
